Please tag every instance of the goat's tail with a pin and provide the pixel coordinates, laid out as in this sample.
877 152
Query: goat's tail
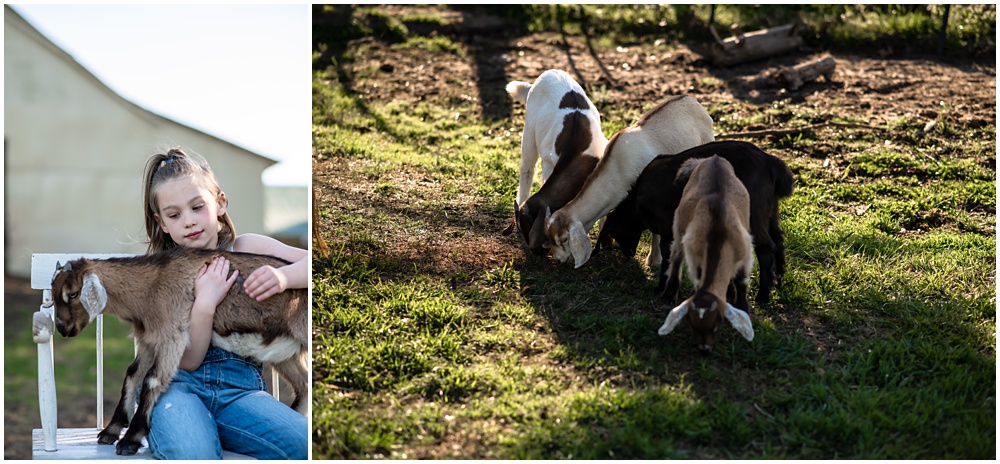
519 91
783 180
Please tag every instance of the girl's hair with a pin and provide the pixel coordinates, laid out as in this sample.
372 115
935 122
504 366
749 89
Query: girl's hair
172 165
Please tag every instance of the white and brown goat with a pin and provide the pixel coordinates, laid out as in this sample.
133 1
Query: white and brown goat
671 127
711 235
548 104
575 164
154 293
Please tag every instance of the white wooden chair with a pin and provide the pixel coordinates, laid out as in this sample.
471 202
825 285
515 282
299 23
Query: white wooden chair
50 442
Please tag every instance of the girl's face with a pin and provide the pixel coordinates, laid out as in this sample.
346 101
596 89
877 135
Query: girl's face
189 213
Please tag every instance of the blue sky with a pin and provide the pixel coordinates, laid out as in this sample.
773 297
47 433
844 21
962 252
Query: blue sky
237 72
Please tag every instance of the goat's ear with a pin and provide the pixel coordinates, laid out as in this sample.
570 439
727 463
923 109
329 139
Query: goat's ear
510 227
548 214
579 244
57 271
740 321
515 224
93 296
675 317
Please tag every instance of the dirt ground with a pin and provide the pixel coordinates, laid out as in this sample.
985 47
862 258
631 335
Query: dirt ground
877 89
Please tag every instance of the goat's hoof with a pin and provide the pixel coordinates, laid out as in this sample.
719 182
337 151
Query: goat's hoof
106 437
128 448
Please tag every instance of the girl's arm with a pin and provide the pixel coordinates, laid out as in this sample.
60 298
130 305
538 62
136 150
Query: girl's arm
210 287
266 280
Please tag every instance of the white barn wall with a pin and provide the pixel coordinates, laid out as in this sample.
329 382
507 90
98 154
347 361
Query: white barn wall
74 153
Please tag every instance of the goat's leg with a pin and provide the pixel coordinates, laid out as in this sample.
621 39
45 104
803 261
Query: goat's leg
655 257
663 233
126 405
295 372
764 249
670 276
166 359
740 285
529 157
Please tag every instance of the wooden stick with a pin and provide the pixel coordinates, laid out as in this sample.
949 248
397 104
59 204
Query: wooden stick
321 246
796 130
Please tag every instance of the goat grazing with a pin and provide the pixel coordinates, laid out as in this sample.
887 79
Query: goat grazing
653 200
154 293
575 164
548 102
673 126
711 234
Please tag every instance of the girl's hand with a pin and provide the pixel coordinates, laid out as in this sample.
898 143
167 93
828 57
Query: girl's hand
264 282
211 283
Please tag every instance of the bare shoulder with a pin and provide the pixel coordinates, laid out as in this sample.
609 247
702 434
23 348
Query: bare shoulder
264 245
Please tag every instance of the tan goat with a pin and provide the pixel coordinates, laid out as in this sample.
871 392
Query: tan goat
711 233
154 293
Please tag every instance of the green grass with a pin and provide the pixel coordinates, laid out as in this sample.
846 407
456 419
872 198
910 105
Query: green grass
437 338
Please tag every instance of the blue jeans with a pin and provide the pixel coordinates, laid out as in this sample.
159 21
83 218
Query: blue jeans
224 404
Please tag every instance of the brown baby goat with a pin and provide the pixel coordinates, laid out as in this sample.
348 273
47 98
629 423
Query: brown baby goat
154 293
711 233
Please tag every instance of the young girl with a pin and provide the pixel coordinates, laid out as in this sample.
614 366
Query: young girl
217 400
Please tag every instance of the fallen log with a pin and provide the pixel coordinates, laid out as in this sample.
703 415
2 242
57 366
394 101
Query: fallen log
794 77
756 45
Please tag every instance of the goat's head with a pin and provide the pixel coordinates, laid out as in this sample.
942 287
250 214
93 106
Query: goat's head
567 239
78 297
705 312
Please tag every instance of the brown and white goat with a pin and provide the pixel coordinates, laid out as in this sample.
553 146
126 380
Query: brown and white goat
575 146
548 102
154 293
711 233
671 127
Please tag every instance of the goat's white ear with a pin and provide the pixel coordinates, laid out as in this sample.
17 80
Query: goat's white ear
675 317
579 244
58 268
740 321
548 214
93 296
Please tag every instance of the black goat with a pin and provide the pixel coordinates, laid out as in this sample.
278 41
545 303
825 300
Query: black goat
653 200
